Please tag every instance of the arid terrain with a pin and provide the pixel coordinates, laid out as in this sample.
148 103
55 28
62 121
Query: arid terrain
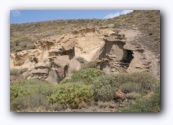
110 65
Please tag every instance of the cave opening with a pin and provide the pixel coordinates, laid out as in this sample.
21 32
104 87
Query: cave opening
128 56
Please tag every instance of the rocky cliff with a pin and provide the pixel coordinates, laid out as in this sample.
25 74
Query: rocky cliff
55 57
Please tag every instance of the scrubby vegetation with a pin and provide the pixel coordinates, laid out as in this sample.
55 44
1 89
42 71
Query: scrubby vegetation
145 104
72 95
39 94
86 76
90 85
104 86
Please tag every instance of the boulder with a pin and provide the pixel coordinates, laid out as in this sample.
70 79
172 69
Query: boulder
74 66
53 77
119 96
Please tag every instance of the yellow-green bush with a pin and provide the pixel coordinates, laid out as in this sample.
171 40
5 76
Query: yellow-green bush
25 88
86 76
71 95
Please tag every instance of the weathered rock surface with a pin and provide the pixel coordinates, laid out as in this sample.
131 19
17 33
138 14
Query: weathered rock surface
55 57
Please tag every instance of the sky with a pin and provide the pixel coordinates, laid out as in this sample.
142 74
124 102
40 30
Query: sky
26 16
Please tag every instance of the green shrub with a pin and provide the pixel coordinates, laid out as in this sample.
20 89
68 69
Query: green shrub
86 76
104 87
146 81
130 87
71 95
29 101
28 87
30 94
18 91
26 95
18 104
151 104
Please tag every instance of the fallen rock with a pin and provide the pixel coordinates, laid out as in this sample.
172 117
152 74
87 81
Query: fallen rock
53 77
119 96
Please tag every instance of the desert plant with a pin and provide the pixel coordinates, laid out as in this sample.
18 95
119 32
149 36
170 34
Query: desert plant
27 102
18 104
143 81
130 87
27 87
142 104
86 76
104 87
71 95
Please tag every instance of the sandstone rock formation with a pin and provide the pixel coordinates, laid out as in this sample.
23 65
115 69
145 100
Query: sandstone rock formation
55 57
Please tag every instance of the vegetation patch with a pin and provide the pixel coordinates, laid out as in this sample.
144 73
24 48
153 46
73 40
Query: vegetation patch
105 85
72 95
86 76
143 104
26 95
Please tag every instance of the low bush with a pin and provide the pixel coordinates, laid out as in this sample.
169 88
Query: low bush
130 87
143 81
28 87
28 102
86 76
104 87
72 95
151 104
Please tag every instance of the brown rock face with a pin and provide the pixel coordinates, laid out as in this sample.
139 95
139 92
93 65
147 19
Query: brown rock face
55 57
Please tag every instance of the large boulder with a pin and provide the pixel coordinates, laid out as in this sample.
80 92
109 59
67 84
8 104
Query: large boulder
74 66
53 77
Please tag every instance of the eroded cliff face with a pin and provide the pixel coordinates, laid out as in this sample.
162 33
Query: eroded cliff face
55 57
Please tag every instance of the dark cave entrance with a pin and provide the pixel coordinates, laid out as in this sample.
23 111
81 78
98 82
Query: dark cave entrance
128 56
